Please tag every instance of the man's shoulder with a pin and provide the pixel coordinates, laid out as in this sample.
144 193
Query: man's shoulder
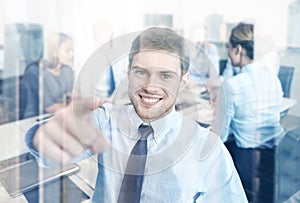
210 143
206 140
235 83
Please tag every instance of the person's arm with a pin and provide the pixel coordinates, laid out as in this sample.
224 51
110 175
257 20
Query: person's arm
224 112
50 105
213 82
67 136
214 59
55 107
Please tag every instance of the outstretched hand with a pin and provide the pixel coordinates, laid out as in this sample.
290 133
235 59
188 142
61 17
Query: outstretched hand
70 132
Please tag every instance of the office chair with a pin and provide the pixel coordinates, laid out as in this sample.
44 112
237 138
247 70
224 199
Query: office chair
288 165
285 76
23 98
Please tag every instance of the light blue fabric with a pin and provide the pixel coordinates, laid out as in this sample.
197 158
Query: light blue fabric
182 164
55 88
249 106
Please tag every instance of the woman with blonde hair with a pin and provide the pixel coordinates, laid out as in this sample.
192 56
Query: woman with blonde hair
50 81
248 106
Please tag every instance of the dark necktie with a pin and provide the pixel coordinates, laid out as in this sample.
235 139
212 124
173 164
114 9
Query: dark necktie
131 187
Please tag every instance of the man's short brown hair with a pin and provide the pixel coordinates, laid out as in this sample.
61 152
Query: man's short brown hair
163 39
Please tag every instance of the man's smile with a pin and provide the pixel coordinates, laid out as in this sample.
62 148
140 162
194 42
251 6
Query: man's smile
149 100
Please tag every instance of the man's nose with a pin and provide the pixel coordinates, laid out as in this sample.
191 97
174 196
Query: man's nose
151 88
152 80
151 84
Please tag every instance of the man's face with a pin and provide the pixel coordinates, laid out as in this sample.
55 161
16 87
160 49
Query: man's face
154 81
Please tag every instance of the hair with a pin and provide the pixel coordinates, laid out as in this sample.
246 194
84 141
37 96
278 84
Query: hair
54 42
164 39
243 34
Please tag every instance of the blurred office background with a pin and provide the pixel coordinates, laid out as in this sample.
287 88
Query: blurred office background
24 26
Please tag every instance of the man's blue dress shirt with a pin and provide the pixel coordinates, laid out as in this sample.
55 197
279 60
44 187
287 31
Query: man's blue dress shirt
185 162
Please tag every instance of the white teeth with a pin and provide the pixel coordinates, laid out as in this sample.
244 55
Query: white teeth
150 100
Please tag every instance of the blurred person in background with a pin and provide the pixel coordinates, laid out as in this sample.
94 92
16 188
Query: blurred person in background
248 105
206 61
267 54
50 81
103 34
204 70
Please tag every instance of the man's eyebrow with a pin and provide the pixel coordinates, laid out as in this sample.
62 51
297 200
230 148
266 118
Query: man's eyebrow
161 71
135 67
169 72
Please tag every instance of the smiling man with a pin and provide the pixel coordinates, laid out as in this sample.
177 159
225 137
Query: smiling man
154 80
147 152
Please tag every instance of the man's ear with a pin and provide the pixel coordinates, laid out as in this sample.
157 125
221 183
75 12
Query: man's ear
184 81
238 49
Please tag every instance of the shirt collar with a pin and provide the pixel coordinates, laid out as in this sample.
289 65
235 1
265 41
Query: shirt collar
162 125
250 67
128 121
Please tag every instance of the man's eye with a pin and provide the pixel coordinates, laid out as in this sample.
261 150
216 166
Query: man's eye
166 76
140 73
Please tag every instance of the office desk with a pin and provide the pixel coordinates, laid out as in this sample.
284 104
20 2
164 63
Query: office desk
287 103
12 144
202 111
